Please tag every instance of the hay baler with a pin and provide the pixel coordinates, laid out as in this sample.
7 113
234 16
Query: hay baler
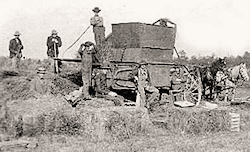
130 43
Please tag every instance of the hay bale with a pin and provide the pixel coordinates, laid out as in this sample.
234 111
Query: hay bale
109 123
114 123
31 111
192 120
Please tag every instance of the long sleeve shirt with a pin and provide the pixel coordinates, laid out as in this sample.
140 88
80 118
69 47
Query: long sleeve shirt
96 21
52 45
15 47
39 87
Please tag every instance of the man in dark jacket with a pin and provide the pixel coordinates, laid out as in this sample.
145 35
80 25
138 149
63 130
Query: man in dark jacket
101 88
15 48
53 43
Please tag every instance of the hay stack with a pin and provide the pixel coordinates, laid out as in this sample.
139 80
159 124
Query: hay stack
192 120
56 116
114 123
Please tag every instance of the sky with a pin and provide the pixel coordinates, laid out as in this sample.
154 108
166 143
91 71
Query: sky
204 27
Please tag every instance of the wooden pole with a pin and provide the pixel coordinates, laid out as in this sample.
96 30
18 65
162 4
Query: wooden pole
55 61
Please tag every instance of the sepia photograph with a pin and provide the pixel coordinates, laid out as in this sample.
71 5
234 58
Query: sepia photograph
124 76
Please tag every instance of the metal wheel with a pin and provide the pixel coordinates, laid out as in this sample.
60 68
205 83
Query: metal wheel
193 87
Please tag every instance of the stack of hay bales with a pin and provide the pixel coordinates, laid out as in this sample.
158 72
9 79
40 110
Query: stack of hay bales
114 123
192 120
56 117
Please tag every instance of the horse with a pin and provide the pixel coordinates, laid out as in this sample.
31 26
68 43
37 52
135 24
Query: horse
208 75
228 80
206 79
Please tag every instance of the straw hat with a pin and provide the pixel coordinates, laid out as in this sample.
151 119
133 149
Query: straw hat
41 70
17 33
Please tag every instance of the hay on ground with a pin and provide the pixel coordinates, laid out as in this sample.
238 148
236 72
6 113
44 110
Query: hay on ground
192 120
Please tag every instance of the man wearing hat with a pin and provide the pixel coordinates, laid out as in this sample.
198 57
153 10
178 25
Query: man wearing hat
98 28
101 87
141 75
40 86
177 81
87 61
53 43
15 48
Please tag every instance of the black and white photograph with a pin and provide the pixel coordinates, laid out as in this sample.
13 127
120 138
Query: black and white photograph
124 76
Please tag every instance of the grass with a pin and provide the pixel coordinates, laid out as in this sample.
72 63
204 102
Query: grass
156 141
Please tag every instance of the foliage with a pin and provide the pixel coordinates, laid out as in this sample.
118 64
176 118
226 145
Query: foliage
207 60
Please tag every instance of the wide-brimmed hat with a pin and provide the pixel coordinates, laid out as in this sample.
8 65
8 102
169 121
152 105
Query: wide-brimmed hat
88 43
17 33
143 62
96 10
41 70
54 32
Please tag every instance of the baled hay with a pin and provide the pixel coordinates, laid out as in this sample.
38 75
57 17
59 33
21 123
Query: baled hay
110 123
193 120
31 111
114 123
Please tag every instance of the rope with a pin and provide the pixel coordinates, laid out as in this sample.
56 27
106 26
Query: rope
76 40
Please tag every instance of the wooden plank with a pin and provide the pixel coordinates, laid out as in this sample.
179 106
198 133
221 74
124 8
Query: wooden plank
183 104
68 60
14 143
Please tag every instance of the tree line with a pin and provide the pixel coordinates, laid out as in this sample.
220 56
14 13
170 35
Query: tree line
207 60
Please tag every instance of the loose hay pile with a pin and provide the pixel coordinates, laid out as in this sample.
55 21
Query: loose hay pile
61 85
192 120
18 87
15 88
73 76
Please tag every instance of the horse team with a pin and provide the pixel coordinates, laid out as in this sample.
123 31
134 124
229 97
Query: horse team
218 78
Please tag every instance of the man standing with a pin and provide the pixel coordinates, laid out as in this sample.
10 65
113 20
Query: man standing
177 82
40 86
87 61
15 48
53 43
98 28
101 88
141 76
